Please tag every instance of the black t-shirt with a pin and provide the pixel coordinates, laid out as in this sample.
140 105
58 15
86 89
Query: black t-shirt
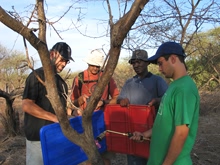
35 90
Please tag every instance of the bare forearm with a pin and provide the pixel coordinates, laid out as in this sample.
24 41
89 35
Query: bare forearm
147 133
112 101
176 145
33 109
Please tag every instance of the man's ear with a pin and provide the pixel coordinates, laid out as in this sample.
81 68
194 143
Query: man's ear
51 55
173 59
54 55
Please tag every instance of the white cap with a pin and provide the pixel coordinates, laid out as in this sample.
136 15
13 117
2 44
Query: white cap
95 57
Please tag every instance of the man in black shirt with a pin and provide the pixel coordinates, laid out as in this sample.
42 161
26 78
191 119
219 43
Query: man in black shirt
37 107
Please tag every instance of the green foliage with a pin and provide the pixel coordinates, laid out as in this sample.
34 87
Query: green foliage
13 71
203 59
123 72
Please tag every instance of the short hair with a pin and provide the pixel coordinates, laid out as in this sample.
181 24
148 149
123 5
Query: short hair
181 58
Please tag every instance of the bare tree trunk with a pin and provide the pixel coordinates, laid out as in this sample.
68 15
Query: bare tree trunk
11 120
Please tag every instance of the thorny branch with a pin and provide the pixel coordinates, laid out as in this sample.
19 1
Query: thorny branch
83 34
30 64
69 102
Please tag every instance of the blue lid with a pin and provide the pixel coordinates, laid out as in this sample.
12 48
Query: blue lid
58 150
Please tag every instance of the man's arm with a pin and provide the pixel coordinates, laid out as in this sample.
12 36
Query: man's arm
113 91
75 97
176 145
33 109
137 135
112 100
80 100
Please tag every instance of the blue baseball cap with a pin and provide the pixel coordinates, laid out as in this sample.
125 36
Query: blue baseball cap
168 48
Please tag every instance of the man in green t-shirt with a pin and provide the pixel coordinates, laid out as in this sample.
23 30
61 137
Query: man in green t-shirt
174 131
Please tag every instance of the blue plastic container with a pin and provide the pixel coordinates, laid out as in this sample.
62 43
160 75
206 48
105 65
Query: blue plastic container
58 150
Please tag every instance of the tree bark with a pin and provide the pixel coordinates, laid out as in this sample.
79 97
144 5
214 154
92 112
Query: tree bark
11 125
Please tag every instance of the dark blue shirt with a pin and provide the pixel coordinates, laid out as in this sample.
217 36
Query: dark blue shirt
142 91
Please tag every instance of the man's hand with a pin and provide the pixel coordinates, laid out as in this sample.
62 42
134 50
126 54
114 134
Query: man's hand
137 136
82 99
77 112
100 104
74 112
155 102
124 102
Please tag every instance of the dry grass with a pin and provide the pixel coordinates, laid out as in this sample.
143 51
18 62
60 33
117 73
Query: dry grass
12 151
207 148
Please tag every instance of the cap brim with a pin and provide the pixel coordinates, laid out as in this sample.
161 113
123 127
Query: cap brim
70 58
153 59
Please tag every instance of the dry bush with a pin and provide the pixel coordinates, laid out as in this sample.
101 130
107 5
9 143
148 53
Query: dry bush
209 102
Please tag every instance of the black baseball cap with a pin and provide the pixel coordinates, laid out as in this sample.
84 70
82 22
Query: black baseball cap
64 50
168 48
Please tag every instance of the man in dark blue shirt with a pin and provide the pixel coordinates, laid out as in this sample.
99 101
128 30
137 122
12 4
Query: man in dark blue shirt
144 88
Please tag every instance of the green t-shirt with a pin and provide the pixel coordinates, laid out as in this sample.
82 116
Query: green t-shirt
179 106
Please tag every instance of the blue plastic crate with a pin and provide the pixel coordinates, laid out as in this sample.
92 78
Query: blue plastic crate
58 150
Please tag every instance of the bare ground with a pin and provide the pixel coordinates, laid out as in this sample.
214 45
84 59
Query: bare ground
206 150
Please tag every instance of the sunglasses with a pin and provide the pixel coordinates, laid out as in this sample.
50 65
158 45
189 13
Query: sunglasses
64 60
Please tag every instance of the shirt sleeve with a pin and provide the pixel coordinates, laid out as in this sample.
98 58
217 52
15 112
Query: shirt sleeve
161 87
184 107
114 92
123 92
31 88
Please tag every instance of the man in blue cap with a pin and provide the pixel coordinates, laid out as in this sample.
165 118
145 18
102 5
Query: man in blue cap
174 131
36 105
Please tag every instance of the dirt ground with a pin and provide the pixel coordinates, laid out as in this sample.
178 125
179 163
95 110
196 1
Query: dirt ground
206 150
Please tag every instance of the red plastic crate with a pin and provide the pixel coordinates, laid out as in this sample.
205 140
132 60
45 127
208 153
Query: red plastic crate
128 119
